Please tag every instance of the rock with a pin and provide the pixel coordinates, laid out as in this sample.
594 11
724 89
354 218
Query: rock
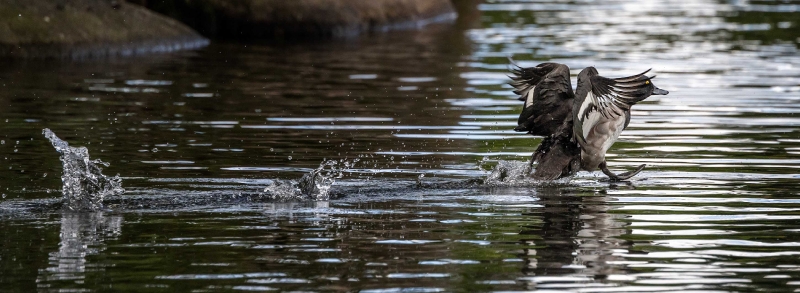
280 19
77 29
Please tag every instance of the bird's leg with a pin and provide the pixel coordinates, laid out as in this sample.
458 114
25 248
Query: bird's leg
530 164
623 176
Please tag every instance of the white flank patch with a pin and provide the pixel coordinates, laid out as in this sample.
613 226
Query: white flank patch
529 99
619 122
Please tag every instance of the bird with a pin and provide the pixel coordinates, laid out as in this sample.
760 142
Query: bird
578 127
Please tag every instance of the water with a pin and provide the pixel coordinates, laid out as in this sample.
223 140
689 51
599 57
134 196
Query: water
198 136
314 185
83 184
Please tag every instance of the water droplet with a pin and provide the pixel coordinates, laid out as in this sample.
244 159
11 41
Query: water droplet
290 158
419 179
155 150
45 175
4 195
3 141
271 149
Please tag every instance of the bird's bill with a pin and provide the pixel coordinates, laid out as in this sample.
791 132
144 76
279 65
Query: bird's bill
659 91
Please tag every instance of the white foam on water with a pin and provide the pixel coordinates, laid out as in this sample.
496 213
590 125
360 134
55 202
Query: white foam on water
84 185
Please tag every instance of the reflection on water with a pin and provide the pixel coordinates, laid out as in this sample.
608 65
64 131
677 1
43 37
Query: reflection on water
197 135
82 235
579 242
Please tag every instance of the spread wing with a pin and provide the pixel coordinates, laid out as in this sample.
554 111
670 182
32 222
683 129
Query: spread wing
526 79
614 97
548 95
608 98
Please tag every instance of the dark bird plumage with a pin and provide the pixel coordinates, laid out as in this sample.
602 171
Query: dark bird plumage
548 95
578 128
547 92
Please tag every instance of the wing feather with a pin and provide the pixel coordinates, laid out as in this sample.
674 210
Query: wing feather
547 93
525 79
613 97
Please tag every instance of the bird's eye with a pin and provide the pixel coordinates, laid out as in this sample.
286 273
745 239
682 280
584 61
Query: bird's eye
646 82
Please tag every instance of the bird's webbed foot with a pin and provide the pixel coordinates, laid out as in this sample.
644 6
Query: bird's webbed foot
623 176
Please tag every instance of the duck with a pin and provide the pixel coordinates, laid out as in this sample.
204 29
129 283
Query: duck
579 126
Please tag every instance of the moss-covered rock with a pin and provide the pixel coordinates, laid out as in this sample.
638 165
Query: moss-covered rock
86 29
278 19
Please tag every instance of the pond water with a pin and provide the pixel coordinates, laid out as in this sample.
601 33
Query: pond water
197 136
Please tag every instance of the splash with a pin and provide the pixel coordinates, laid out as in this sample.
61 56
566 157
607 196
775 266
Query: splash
513 173
506 172
85 186
314 185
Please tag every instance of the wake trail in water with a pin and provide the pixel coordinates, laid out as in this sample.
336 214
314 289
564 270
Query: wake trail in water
316 185
84 185
86 188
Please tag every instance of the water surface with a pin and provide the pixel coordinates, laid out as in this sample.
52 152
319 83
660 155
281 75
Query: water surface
197 135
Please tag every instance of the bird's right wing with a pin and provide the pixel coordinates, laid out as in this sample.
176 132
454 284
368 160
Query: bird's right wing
526 79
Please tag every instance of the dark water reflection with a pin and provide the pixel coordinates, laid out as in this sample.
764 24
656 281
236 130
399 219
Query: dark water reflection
197 134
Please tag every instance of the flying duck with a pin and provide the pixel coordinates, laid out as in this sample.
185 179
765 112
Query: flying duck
578 127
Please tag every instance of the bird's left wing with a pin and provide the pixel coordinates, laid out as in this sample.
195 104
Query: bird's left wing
613 97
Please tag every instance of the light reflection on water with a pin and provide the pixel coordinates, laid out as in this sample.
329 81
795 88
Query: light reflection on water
197 134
